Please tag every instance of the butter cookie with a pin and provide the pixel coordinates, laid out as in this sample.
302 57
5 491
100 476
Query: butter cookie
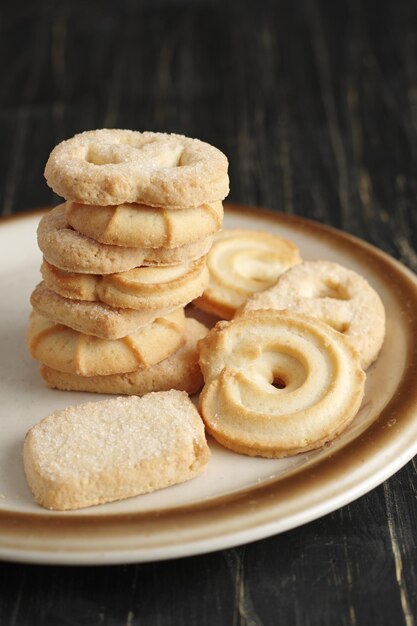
114 166
67 350
241 263
136 225
334 294
69 250
179 371
91 318
278 383
104 451
141 288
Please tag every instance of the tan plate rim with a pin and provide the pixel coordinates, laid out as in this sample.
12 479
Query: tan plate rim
149 532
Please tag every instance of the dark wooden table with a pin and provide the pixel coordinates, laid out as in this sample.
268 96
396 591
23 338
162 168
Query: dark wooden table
315 104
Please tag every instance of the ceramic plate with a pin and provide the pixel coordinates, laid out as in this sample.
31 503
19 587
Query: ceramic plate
239 499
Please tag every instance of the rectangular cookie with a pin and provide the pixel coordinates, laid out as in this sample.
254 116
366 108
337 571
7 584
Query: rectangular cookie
104 451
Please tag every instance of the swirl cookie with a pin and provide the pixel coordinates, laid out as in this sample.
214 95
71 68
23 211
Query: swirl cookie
334 294
241 263
278 383
142 288
104 451
179 371
70 250
67 350
136 225
91 318
103 167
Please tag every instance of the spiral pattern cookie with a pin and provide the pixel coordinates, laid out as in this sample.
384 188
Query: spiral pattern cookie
334 294
91 318
70 250
67 350
142 288
241 263
179 371
278 383
136 225
114 166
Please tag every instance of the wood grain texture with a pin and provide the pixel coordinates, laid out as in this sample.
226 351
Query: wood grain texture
315 103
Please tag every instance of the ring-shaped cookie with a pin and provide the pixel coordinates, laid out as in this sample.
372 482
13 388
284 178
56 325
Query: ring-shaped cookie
241 263
67 350
91 318
113 166
136 225
334 294
278 383
179 371
142 288
71 251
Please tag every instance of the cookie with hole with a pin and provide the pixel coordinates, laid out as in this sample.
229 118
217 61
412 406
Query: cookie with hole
278 383
241 263
336 295
115 166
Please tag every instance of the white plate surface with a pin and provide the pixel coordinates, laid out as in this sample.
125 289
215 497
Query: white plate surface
239 499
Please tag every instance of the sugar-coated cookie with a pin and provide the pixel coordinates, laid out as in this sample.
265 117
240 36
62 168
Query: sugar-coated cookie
91 318
114 166
104 451
334 294
241 263
278 383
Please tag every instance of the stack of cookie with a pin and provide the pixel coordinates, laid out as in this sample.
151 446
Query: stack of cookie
122 257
